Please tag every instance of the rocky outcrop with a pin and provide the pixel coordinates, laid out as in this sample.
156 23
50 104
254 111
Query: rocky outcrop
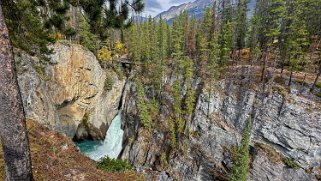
286 128
68 95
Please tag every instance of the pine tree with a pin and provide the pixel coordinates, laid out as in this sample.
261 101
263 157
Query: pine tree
297 38
104 14
241 25
204 37
241 163
225 41
190 93
86 38
212 68
270 19
191 38
161 43
31 36
178 45
144 114
177 110
226 35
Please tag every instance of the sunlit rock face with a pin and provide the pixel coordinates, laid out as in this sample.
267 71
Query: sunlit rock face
68 95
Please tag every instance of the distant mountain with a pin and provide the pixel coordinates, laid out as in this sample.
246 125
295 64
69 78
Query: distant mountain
195 8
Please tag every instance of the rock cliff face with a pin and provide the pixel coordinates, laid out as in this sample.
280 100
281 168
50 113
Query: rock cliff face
68 95
286 128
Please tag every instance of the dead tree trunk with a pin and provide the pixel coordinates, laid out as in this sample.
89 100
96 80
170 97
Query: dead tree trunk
13 131
316 79
290 81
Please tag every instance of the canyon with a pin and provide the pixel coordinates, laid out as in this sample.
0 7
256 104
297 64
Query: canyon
69 96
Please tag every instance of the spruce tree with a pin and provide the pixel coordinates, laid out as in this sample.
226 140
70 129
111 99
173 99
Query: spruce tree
226 35
297 36
241 25
143 114
225 41
190 92
270 17
177 110
241 163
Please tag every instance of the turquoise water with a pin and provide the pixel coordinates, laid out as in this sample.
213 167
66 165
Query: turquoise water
111 146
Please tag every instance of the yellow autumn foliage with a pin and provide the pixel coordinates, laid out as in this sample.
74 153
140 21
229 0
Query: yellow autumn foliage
104 54
119 46
57 36
245 53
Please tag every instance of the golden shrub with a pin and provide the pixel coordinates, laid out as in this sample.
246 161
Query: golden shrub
104 54
119 46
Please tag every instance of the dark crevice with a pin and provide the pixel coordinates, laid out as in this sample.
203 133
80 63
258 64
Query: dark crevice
65 103
122 98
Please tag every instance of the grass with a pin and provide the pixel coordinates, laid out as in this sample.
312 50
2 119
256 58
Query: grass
291 163
283 92
279 80
275 157
113 165
269 152
300 82
54 156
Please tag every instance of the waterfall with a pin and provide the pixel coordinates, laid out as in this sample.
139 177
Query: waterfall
111 146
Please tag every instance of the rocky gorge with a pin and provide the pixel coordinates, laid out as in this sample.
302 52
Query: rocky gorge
69 96
285 143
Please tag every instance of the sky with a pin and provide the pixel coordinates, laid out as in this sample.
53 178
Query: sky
154 7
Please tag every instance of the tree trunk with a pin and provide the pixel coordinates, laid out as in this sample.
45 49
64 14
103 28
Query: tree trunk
209 101
290 81
263 71
316 79
264 66
13 131
282 68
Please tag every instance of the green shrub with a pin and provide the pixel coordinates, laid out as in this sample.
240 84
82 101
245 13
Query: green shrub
172 134
113 165
291 163
318 85
153 108
85 120
279 80
163 159
109 82
319 94
40 70
196 134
